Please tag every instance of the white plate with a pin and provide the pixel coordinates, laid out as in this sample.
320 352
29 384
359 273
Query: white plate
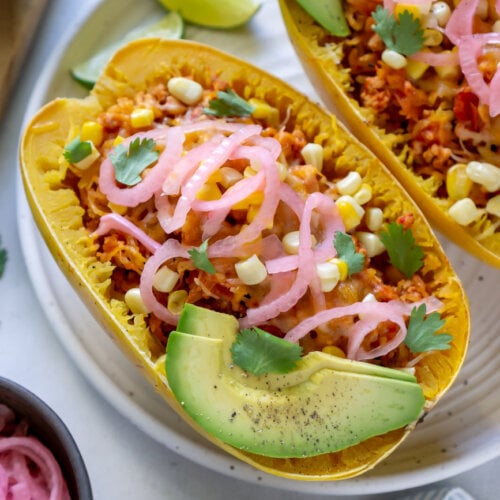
462 432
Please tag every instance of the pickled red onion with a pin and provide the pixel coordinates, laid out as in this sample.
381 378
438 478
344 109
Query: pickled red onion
461 20
115 221
170 249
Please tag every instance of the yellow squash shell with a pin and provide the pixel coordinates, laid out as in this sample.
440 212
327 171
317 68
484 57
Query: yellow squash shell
58 214
330 79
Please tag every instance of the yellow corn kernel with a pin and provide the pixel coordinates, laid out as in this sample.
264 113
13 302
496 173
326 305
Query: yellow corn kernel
256 198
142 117
432 37
134 301
215 177
333 350
415 69
350 211
249 172
399 8
363 194
119 209
291 242
493 205
229 176
92 131
447 72
464 211
209 192
350 183
118 140
176 301
282 170
264 111
165 279
185 90
343 268
313 154
252 212
394 59
458 184
374 218
251 271
371 243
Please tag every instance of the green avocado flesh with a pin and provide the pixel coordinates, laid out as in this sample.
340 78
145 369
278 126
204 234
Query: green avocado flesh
327 13
325 404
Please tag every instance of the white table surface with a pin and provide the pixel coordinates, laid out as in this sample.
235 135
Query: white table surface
123 463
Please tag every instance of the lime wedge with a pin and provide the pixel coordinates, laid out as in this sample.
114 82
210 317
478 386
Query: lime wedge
219 14
170 26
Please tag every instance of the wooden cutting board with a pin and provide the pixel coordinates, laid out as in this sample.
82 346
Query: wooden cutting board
18 22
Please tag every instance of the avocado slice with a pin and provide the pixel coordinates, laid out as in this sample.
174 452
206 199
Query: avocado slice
325 404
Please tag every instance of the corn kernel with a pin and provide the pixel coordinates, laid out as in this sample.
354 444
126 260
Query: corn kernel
264 111
333 350
142 117
458 184
329 275
363 194
448 72
119 209
343 268
118 140
371 243
496 27
185 90
399 8
229 176
165 279
432 37
282 171
374 218
209 192
464 211
350 183
415 69
256 198
215 177
369 297
88 160
134 301
251 271
313 155
483 173
493 205
441 12
394 59
291 242
350 211
249 172
92 131
176 301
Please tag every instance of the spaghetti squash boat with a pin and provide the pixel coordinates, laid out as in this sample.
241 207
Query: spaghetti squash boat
260 266
415 81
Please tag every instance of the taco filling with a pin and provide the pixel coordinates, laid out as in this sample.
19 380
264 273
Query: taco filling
198 196
425 73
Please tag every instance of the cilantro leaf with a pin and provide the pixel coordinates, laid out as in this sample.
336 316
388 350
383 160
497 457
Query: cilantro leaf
404 35
404 254
421 332
200 258
228 103
130 164
3 260
76 150
346 250
259 352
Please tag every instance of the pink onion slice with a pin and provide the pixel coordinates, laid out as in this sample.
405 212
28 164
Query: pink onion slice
461 20
170 249
216 159
119 223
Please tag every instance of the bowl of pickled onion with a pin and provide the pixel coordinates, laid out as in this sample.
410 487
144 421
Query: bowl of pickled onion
38 456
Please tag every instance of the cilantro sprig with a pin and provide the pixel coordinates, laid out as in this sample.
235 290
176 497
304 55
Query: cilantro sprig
421 335
200 259
347 252
259 352
404 34
130 163
404 253
228 103
76 150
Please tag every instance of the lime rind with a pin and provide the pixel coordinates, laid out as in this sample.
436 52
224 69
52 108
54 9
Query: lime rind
220 14
171 26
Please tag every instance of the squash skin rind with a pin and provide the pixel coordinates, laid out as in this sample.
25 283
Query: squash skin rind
71 246
326 78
